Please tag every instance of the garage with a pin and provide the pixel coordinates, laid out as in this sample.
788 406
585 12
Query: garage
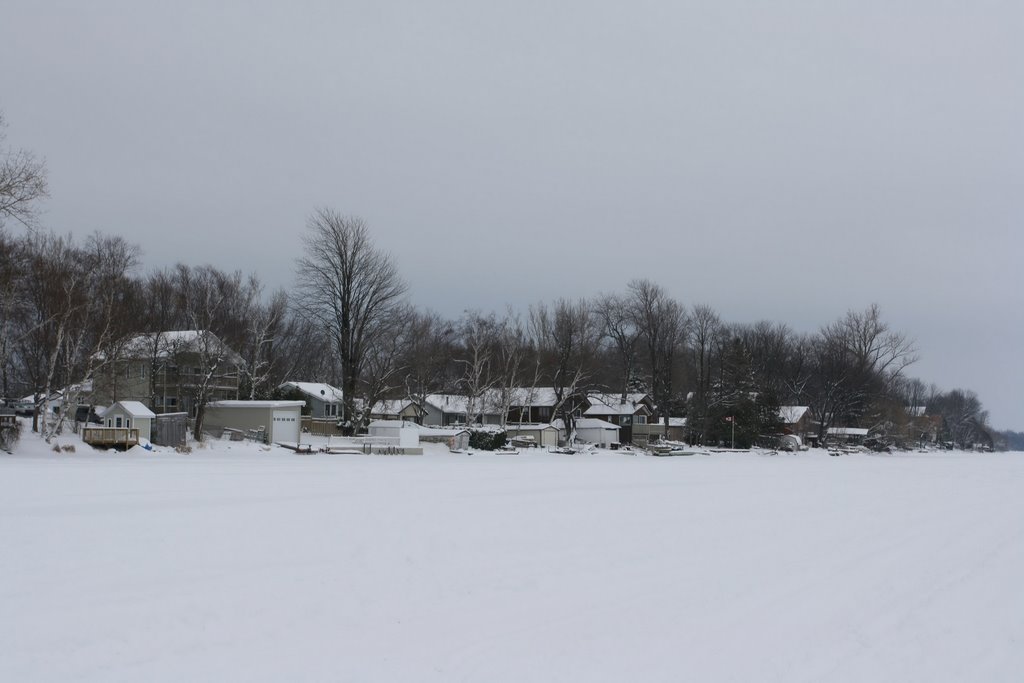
278 421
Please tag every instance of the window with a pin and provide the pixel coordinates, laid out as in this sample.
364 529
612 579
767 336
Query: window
117 421
626 420
641 419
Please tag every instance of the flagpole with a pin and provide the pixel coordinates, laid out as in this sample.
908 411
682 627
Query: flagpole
732 419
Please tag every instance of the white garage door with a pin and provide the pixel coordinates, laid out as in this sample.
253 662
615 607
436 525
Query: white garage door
286 426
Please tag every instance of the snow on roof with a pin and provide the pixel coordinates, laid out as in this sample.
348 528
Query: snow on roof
441 431
533 397
612 404
677 422
256 404
168 343
133 408
792 414
847 431
392 406
391 424
587 423
527 426
458 404
324 392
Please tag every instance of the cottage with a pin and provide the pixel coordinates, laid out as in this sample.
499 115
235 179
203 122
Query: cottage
277 421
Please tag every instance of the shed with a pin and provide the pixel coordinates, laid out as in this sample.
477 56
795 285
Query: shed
596 431
456 438
402 433
170 429
543 435
129 415
279 419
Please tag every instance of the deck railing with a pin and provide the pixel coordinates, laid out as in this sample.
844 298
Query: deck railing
110 436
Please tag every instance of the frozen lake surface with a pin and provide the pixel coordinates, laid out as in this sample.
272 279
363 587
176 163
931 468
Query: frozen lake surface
246 564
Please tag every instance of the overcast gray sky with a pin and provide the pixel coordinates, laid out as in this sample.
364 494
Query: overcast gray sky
777 160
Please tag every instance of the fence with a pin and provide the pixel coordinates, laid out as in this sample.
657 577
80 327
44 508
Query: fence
320 426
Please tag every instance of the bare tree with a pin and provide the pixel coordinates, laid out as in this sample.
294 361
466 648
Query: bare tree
619 327
566 337
663 323
350 288
22 183
428 356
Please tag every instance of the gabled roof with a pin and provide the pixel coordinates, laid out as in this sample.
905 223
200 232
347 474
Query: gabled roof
792 414
534 397
134 408
392 406
458 404
612 404
324 392
166 344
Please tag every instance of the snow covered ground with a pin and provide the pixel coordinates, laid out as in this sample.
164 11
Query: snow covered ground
238 563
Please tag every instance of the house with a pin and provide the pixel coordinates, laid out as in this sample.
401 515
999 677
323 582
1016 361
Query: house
796 420
396 409
275 421
129 415
323 401
164 370
591 430
455 409
634 409
532 404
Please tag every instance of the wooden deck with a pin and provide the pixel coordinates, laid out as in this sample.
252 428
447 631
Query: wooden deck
119 437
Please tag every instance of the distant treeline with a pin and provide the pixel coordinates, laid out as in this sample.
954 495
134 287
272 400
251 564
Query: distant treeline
66 307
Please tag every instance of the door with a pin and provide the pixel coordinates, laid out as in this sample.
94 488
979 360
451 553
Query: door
286 426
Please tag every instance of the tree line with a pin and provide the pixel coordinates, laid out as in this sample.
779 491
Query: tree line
67 306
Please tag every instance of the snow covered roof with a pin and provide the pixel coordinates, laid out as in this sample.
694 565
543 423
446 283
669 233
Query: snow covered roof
847 431
168 343
133 408
792 414
587 423
677 422
458 404
533 397
528 426
385 424
612 404
393 406
256 404
324 392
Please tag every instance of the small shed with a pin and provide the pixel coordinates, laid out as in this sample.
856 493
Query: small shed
280 420
400 432
170 429
129 415
543 435
456 438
